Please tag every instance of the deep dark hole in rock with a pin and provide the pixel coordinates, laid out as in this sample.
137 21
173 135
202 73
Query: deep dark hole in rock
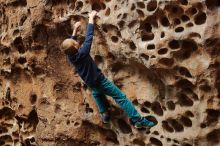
153 56
114 39
89 110
167 61
146 57
152 118
121 23
141 5
211 4
205 87
98 59
107 12
164 21
185 18
117 66
177 21
16 3
189 114
176 125
33 118
194 34
162 35
200 18
156 107
33 98
187 144
21 49
152 5
4 49
147 27
151 47
37 70
187 48
147 104
176 10
186 121
22 60
40 33
185 72
140 13
162 51
171 105
174 44
135 102
214 136
79 5
32 139
27 142
59 86
212 116
3 130
167 127
133 7
190 24
22 20
192 11
124 126
156 133
147 36
132 45
184 84
184 100
183 2
6 138
175 141
144 110
8 94
18 43
203 125
155 141
179 29
132 23
138 142
2 142
7 113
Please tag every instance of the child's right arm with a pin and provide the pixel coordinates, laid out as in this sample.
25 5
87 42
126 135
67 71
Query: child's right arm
76 26
85 49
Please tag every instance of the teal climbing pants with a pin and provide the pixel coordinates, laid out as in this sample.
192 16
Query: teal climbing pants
103 87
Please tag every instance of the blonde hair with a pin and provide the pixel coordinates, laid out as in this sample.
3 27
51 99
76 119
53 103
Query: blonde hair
69 46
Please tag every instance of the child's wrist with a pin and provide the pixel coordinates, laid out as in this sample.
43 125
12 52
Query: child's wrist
91 20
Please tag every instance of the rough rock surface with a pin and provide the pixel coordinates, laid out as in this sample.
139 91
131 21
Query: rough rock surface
165 55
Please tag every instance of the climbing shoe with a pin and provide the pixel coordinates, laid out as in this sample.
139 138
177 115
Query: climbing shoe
144 123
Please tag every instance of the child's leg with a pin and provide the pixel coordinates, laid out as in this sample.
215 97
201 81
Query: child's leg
108 88
101 101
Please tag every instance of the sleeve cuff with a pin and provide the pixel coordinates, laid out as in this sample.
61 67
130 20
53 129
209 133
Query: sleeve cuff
90 25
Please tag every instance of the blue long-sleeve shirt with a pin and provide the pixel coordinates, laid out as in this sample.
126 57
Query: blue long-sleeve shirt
84 64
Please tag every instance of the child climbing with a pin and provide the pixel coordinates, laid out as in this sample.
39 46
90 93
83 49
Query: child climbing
94 78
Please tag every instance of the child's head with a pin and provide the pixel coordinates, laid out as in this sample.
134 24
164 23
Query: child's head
70 46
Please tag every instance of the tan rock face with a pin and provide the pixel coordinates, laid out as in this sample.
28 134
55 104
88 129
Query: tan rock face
163 54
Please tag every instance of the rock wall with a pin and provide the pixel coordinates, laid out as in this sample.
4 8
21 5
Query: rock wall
165 55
